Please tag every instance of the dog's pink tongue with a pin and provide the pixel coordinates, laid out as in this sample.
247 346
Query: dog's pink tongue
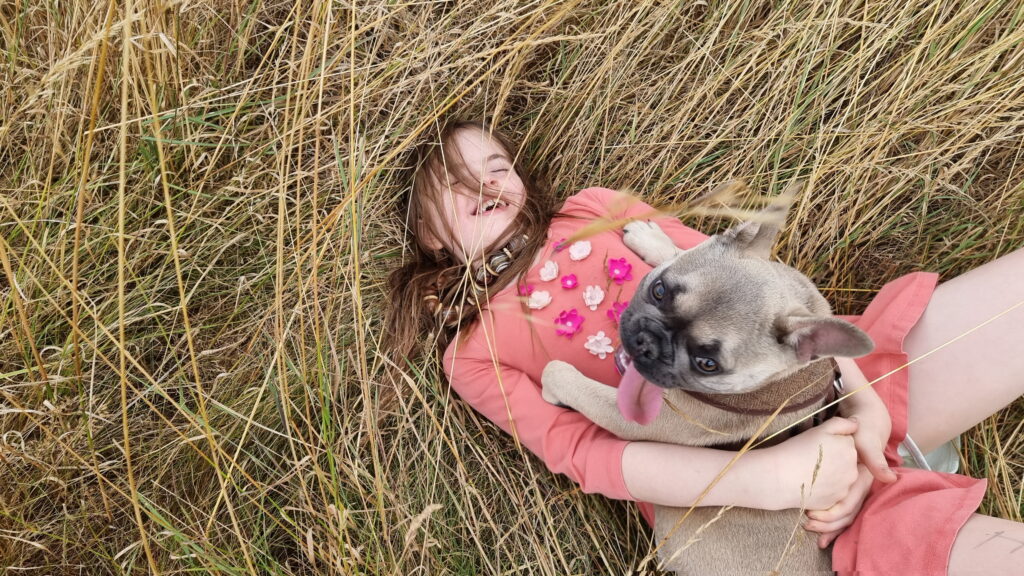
639 401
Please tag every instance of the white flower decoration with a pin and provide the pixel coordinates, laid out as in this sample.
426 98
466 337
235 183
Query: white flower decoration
579 250
593 296
599 345
549 271
539 299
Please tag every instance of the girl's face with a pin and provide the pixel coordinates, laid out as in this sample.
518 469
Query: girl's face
472 218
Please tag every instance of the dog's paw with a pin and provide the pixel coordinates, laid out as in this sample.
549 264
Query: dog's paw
649 242
556 374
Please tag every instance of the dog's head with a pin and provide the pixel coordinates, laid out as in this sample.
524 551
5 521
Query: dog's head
722 318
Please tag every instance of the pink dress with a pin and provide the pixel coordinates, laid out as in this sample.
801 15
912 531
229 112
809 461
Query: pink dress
904 527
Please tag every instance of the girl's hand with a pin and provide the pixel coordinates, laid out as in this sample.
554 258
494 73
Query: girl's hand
830 449
831 522
873 422
867 410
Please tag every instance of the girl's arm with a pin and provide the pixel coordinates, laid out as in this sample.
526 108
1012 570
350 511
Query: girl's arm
566 441
775 478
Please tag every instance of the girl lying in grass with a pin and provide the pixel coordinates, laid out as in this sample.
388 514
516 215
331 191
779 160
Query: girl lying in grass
493 280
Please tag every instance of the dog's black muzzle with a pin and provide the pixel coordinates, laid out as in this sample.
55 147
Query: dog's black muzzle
647 341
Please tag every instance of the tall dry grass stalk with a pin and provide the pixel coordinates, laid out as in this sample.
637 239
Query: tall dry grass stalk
197 219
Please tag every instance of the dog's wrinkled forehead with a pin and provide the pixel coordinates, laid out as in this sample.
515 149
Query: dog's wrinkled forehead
715 280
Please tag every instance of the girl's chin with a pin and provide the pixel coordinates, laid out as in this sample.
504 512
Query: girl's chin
495 231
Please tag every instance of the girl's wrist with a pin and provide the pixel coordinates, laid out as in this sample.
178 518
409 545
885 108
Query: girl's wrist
774 485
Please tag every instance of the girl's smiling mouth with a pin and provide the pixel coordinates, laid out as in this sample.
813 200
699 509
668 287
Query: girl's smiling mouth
489 206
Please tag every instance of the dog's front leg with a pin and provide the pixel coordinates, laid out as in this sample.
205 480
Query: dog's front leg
564 385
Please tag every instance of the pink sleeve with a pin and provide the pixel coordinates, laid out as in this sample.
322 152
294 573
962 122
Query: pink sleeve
607 203
565 440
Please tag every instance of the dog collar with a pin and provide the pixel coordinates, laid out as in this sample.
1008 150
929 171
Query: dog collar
819 382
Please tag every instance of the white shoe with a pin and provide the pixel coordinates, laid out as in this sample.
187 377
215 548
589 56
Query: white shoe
945 458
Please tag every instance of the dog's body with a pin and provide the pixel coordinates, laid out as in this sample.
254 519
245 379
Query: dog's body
718 319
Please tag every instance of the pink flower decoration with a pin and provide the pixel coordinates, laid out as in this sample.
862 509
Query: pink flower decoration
569 282
568 323
619 270
616 310
526 290
560 245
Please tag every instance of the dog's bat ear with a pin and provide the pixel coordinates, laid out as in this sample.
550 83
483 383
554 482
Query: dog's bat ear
813 337
754 238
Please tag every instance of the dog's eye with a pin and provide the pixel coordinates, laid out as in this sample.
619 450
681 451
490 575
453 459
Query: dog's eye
658 290
706 365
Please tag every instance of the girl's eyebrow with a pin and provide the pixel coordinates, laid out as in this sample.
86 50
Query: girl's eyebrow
496 156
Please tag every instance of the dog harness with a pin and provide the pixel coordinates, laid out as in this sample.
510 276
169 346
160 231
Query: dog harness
820 383
817 383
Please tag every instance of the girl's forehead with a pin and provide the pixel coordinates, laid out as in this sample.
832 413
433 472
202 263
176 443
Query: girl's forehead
477 147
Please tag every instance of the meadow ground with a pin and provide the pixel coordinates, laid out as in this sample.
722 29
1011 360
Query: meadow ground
198 216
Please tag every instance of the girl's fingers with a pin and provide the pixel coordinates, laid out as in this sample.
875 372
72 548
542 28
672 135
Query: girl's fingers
840 509
840 426
824 528
849 506
825 539
875 462
872 455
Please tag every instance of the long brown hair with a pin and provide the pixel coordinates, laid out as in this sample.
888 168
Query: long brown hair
432 295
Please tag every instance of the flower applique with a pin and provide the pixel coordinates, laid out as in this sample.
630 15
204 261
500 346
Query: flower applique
593 296
549 271
559 245
569 282
579 250
599 345
568 323
615 312
619 270
539 299
526 290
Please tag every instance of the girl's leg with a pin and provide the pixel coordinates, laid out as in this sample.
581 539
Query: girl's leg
965 382
989 546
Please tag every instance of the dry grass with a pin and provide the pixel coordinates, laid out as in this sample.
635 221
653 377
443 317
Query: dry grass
197 222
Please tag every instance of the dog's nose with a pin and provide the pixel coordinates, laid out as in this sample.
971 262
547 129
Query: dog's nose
646 346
